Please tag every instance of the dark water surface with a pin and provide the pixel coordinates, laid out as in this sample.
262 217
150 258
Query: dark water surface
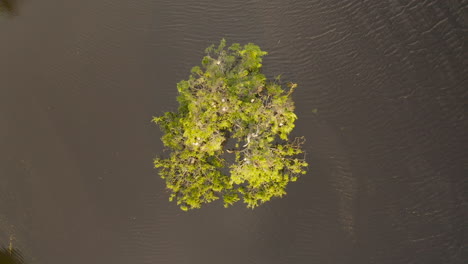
387 183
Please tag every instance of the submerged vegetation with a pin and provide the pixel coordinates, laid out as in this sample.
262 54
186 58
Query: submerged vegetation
10 256
227 107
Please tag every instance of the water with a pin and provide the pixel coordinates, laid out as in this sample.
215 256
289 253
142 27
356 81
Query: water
80 81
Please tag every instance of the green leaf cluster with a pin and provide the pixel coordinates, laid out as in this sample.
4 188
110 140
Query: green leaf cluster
228 99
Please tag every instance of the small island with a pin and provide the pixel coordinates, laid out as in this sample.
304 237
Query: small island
229 137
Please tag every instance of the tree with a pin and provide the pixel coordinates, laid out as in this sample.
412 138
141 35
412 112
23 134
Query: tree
227 107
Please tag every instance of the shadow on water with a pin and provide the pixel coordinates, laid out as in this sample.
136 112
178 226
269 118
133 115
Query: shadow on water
11 256
9 7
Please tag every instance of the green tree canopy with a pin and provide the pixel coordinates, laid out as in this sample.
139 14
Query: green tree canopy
227 107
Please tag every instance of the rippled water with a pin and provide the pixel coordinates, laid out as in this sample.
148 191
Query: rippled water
80 81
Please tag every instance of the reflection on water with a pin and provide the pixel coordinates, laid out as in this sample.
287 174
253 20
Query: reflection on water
11 256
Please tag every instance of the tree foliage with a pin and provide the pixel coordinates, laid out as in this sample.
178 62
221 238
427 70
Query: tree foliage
228 101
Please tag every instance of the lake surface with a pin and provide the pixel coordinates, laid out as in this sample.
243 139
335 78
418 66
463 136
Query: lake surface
387 182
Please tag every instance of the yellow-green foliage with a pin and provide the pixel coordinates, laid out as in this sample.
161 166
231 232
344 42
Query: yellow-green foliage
228 98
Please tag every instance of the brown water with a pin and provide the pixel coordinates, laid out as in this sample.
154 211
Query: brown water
387 183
